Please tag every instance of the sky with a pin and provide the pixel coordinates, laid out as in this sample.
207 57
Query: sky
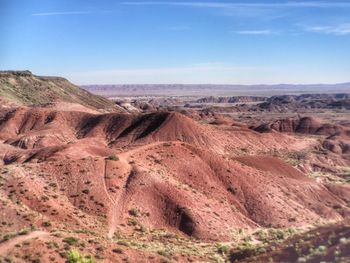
185 42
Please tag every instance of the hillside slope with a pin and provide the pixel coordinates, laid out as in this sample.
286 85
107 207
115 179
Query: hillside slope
156 186
24 88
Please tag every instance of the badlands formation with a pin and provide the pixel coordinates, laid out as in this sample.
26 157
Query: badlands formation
83 176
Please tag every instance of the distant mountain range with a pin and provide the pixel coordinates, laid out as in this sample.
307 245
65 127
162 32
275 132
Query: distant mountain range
215 90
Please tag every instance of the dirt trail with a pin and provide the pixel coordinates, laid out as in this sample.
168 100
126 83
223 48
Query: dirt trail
7 245
113 202
119 202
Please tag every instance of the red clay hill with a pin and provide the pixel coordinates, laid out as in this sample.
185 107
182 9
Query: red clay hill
93 181
169 166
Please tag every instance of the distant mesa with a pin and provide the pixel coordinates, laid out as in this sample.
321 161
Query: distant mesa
306 125
235 99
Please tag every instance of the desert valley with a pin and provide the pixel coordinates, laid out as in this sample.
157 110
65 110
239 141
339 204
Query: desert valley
198 174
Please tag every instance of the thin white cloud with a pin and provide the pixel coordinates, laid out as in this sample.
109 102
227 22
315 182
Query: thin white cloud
255 32
339 30
61 13
306 4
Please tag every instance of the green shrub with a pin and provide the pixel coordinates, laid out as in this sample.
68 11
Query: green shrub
222 249
6 237
133 222
123 243
70 241
75 257
24 232
165 253
46 224
113 158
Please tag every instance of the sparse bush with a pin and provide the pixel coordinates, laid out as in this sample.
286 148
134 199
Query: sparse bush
54 185
133 212
70 241
46 224
51 244
24 232
165 253
113 158
231 189
123 243
222 249
6 237
132 222
117 250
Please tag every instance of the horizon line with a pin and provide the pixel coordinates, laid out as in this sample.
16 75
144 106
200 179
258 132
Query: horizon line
213 84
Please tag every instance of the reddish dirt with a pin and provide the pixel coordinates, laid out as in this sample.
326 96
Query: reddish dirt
82 170
7 245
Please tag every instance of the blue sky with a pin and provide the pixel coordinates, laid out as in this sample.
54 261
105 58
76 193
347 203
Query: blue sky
240 42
